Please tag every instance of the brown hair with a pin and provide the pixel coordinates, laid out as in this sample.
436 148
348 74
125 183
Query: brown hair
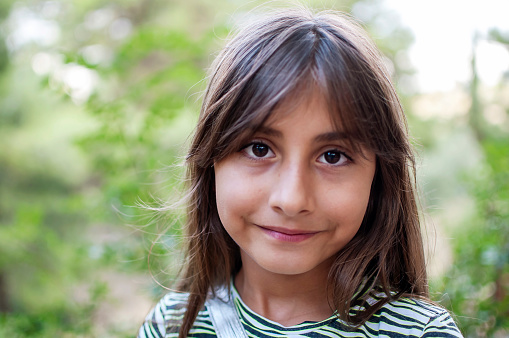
265 63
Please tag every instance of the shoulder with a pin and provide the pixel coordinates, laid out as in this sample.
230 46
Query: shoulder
166 317
416 318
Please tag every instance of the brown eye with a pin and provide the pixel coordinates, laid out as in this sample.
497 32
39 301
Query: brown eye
260 150
334 157
331 157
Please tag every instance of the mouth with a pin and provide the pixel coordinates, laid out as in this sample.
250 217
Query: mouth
288 235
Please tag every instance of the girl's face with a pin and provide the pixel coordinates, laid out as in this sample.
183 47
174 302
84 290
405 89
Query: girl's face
295 194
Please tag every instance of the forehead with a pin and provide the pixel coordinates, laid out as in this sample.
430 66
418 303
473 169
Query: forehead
307 117
308 105
306 109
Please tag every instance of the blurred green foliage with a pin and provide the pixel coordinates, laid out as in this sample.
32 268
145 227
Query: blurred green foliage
477 285
96 122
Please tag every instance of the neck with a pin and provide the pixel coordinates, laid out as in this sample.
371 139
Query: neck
286 299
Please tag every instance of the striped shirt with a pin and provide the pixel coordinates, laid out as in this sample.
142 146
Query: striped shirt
402 318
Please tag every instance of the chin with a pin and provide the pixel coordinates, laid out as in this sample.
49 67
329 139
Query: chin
282 267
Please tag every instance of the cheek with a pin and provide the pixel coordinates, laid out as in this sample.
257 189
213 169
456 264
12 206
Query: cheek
235 194
358 202
348 204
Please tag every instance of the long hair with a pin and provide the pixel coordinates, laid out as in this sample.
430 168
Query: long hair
267 62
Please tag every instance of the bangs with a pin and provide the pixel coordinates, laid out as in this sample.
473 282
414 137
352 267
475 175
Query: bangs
266 75
361 100
282 64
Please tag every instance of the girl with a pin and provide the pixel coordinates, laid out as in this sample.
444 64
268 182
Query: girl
302 218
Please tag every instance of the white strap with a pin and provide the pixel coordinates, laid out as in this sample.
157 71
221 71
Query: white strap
224 316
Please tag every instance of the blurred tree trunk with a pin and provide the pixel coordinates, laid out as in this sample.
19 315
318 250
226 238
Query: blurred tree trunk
475 112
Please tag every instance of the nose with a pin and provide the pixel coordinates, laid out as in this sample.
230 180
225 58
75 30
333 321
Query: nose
292 194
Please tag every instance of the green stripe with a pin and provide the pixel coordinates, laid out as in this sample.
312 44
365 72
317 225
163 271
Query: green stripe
404 317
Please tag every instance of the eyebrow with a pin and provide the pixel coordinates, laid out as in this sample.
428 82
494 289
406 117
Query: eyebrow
325 137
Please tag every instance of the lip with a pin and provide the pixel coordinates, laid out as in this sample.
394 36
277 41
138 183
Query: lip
287 235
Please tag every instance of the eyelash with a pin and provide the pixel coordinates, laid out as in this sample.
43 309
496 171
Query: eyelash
341 154
253 157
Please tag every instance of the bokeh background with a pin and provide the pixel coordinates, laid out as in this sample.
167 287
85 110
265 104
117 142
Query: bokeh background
97 99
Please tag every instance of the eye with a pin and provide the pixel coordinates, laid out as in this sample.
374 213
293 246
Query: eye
334 157
258 150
